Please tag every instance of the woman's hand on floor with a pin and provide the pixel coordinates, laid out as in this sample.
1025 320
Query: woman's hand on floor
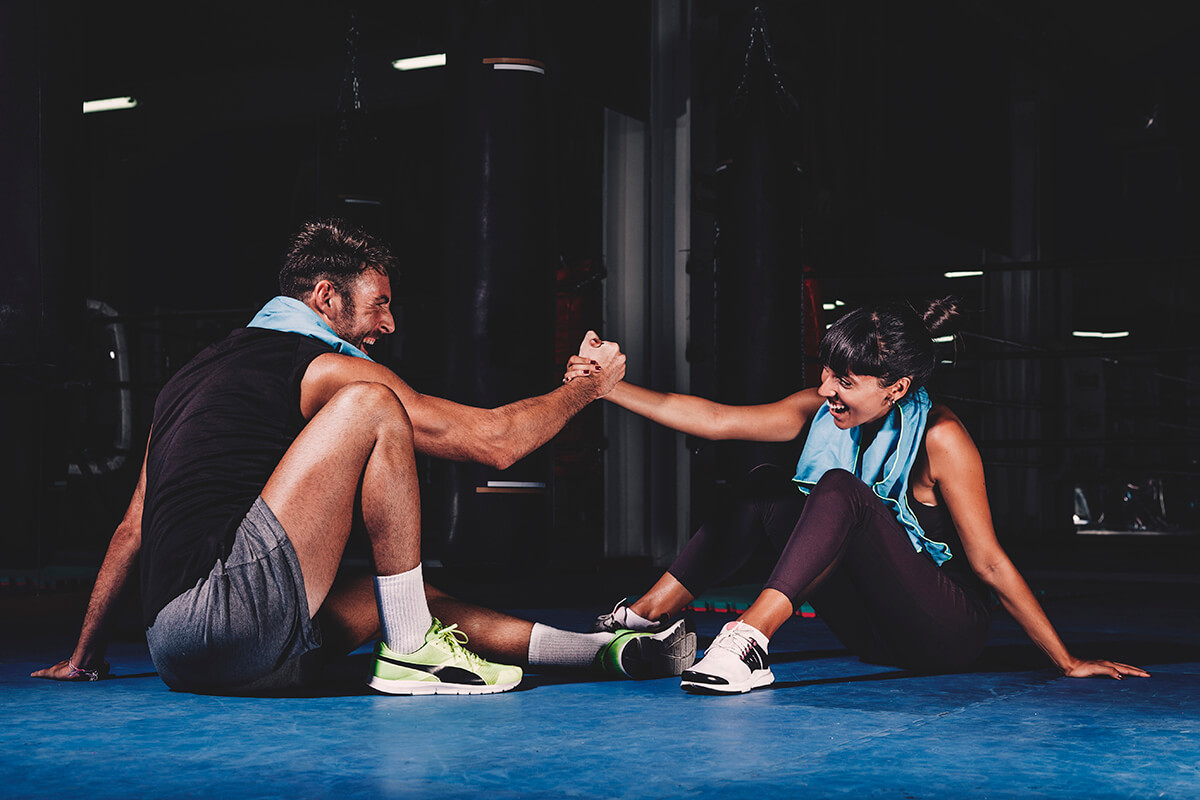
1104 669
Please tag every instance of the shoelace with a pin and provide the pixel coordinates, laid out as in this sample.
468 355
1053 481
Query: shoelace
456 640
733 641
609 620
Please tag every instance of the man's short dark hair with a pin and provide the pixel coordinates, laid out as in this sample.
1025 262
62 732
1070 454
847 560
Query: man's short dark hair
334 250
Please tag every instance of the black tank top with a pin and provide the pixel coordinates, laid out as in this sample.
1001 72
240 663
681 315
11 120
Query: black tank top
221 425
939 527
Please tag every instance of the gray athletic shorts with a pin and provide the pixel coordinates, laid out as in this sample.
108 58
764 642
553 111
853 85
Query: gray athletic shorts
245 627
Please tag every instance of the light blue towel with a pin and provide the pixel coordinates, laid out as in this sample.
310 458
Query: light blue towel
884 466
290 315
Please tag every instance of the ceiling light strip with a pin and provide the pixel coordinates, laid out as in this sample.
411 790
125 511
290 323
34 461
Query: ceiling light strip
109 104
420 62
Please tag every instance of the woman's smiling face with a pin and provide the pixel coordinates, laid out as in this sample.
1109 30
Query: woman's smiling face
855 400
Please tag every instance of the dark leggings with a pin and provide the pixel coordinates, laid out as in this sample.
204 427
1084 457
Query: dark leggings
843 551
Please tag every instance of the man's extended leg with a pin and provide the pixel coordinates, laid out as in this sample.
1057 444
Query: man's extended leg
623 654
349 617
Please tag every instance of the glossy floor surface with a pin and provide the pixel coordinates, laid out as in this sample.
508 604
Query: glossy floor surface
831 726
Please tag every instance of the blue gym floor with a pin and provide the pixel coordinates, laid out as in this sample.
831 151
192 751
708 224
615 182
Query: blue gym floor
830 727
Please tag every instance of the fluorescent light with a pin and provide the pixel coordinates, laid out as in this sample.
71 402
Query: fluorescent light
420 62
108 104
839 302
1100 334
943 339
964 273
829 306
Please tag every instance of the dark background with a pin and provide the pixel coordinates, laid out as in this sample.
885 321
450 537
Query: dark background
1052 144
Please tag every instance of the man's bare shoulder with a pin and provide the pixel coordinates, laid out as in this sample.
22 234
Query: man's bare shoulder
330 365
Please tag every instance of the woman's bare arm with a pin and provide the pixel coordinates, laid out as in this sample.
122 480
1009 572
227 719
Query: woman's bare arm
957 470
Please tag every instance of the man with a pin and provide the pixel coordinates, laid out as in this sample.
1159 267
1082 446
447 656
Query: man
262 450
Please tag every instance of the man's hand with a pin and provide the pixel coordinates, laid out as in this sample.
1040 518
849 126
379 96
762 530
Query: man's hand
65 671
599 360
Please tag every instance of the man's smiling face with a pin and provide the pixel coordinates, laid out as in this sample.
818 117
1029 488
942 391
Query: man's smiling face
365 312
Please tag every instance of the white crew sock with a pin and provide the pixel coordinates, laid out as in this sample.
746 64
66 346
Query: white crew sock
403 613
555 647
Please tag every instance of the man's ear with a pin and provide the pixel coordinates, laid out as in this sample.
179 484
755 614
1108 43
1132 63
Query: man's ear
323 295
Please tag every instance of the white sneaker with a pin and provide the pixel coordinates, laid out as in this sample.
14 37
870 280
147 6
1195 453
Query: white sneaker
734 663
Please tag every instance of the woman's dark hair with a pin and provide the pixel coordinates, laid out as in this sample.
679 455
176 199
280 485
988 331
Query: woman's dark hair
889 341
330 249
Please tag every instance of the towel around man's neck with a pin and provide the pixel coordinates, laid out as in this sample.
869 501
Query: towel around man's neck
884 466
292 316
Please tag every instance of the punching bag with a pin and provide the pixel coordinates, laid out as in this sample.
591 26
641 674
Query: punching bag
763 309
499 269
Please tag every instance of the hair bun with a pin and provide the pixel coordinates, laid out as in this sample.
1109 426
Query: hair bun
941 316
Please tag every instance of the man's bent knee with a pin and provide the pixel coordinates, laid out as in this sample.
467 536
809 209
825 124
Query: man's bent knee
372 401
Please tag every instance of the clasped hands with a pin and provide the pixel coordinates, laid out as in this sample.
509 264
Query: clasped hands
597 359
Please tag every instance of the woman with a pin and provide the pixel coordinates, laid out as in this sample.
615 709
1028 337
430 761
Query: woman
884 527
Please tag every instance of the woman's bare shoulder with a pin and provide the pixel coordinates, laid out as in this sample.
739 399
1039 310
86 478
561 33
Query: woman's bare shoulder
945 433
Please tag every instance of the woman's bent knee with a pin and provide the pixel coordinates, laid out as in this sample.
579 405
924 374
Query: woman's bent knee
839 481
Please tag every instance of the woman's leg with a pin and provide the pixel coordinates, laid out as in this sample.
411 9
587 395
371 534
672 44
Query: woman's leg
766 508
885 598
881 597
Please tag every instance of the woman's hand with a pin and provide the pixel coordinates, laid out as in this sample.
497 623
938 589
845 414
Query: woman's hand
579 367
1104 669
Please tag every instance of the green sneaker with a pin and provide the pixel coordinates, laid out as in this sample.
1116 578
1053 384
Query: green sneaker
643 654
441 666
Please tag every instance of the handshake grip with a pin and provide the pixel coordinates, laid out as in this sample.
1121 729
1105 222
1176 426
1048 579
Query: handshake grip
599 360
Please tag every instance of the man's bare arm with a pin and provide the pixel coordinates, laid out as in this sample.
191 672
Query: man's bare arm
88 658
497 437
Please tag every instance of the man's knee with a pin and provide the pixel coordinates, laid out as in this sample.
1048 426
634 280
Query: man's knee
376 402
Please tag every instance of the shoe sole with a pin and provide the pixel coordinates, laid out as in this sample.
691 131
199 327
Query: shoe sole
755 681
430 687
649 657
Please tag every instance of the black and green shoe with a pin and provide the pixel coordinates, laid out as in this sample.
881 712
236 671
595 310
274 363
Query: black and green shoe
441 666
642 654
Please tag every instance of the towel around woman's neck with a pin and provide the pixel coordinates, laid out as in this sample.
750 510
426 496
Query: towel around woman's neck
884 466
292 316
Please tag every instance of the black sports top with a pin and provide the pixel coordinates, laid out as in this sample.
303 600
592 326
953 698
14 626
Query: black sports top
221 425
939 527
